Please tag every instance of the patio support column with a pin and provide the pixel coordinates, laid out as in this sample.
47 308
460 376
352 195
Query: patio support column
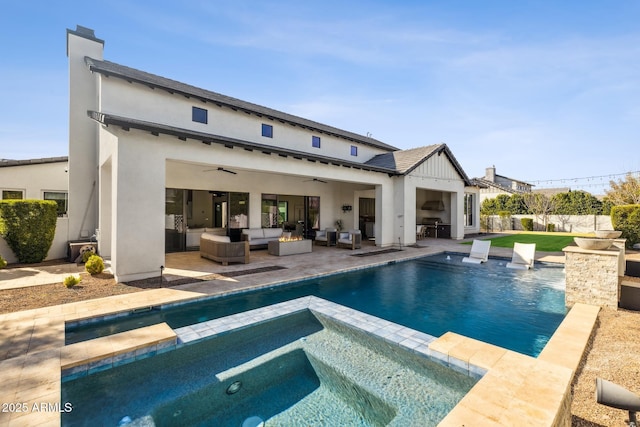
384 215
457 215
138 203
255 210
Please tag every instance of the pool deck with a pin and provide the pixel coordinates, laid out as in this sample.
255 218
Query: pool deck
33 354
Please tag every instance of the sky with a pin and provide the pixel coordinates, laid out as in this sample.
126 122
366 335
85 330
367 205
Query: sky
548 92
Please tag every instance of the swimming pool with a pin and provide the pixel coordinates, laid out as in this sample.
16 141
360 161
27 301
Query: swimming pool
311 366
517 310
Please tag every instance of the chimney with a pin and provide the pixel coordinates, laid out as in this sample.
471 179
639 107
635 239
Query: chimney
83 132
85 33
490 174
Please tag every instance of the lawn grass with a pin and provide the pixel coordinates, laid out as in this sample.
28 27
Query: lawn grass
545 242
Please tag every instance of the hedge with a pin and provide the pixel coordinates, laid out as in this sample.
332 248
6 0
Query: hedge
527 223
28 227
626 218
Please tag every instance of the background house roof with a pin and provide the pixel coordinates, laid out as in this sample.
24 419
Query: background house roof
405 161
108 68
8 162
485 183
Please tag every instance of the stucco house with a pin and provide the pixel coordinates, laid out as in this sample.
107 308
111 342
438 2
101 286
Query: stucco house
43 179
492 185
154 162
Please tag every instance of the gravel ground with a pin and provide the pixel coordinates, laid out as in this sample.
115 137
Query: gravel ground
613 354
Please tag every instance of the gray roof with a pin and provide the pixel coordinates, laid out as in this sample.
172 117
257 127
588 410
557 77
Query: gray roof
405 161
485 183
182 134
108 68
9 162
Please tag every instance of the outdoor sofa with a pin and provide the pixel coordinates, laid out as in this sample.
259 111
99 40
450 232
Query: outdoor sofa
259 238
222 249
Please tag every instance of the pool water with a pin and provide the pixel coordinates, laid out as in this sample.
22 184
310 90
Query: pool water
515 309
299 369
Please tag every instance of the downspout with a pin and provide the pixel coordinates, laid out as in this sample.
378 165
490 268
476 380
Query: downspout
86 211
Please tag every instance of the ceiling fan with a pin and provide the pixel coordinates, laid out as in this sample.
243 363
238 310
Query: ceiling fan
221 169
316 180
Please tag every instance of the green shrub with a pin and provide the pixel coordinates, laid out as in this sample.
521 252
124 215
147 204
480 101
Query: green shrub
551 227
527 223
94 265
626 218
86 255
28 227
3 262
71 281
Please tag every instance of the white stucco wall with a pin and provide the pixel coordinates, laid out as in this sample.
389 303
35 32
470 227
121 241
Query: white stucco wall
158 106
33 180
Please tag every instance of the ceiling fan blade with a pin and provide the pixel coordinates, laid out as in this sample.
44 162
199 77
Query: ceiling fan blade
221 170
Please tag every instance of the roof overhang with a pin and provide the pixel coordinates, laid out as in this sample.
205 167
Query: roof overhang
182 134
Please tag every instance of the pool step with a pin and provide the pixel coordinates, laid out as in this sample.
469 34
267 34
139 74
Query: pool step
87 357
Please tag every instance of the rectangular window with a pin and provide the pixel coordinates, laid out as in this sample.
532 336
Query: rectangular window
12 194
267 131
60 198
354 150
315 141
199 115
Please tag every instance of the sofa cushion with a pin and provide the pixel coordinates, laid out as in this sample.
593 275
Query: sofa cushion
271 233
215 237
254 233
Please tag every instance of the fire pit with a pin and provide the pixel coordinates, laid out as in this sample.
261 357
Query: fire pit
289 246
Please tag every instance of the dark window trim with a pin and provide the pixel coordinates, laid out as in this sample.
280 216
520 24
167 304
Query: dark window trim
267 130
354 150
199 115
315 141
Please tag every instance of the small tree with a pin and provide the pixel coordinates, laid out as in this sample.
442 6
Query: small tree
624 192
516 205
28 227
540 205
